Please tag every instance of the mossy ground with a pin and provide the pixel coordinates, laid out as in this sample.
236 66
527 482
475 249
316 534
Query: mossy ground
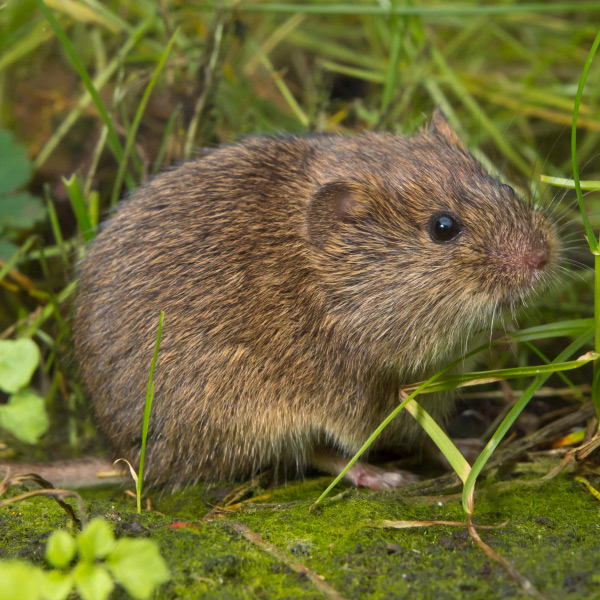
551 537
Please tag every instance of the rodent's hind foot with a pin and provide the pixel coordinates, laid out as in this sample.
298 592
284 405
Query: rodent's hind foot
362 474
375 478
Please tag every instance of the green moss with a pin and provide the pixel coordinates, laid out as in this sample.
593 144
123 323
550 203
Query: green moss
551 537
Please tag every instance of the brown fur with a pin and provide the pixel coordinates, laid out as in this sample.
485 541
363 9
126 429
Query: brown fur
301 288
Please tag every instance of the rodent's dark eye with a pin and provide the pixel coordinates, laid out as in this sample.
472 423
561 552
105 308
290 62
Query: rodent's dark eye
508 189
444 228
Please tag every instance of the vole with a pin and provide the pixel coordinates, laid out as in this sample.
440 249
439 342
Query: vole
303 281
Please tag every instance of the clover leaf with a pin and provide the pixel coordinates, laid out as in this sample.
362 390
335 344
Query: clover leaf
24 415
18 361
18 209
138 567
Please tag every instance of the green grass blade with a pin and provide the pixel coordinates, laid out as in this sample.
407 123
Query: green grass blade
482 377
514 413
28 43
113 138
576 391
571 328
55 225
208 82
16 257
148 410
596 380
132 132
392 415
48 310
570 183
486 123
440 439
566 328
160 155
79 207
281 86
391 76
95 161
86 98
357 73
589 232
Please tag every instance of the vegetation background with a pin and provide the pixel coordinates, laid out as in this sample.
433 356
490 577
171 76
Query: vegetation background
175 76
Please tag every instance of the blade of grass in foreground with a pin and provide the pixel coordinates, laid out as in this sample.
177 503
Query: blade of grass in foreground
391 416
451 382
440 439
571 328
147 411
565 328
514 413
589 232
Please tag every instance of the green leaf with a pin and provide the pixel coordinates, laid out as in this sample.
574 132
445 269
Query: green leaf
138 566
18 361
15 168
57 585
60 549
92 582
450 382
21 210
78 205
25 416
20 581
511 417
96 540
439 437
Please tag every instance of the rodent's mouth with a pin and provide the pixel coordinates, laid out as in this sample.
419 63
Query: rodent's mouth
520 284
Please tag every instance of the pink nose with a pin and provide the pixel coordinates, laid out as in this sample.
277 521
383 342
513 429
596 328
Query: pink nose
536 259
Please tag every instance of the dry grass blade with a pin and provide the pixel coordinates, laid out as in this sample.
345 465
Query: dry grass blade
526 586
47 490
233 499
427 491
589 486
134 475
277 553
410 524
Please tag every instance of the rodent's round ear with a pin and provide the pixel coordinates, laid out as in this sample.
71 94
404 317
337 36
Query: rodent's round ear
440 127
335 203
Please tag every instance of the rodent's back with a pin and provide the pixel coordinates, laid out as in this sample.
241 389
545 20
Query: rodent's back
301 286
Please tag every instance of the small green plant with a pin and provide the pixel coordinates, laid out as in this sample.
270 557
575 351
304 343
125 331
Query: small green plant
138 478
148 410
24 415
90 564
19 210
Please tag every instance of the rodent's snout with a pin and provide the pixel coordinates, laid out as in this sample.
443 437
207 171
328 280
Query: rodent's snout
536 258
521 262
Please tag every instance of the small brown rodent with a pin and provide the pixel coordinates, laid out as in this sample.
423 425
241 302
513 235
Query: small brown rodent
303 280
